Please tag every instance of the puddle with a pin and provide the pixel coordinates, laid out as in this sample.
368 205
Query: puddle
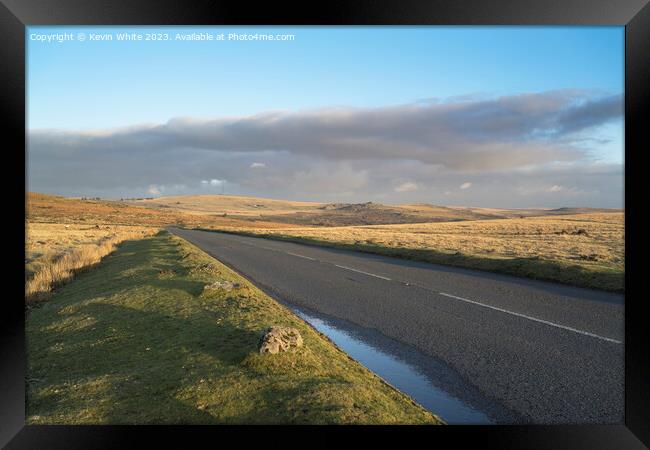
428 382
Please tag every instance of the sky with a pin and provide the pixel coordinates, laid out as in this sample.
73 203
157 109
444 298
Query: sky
476 116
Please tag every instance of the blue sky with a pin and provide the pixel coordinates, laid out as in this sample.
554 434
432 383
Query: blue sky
80 86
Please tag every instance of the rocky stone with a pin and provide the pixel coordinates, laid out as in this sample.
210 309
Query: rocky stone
225 285
207 267
280 339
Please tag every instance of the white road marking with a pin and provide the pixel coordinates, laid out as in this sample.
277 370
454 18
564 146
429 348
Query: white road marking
585 333
365 273
300 256
533 318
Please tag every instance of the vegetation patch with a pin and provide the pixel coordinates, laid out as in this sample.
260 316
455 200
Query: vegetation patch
124 345
56 253
585 250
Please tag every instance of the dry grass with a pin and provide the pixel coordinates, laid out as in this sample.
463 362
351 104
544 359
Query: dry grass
287 213
46 208
66 235
230 204
591 244
56 252
216 211
577 246
47 240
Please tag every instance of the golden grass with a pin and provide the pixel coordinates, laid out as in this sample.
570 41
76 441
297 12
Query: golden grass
66 235
54 209
579 246
56 252
592 243
229 204
257 212
43 239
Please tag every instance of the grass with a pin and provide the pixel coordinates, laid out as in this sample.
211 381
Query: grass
218 211
55 253
585 250
138 341
230 204
57 238
271 213
44 208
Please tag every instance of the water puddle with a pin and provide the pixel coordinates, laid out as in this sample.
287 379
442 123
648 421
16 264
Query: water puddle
427 381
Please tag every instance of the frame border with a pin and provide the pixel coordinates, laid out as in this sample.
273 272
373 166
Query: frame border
15 15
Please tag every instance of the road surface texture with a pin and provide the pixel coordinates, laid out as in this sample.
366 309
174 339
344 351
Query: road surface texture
550 353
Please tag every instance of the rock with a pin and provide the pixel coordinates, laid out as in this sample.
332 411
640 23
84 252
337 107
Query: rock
280 339
226 285
207 267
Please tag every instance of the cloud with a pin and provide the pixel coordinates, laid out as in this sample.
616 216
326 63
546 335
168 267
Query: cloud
420 152
466 185
340 180
406 187
487 134
589 112
213 182
566 192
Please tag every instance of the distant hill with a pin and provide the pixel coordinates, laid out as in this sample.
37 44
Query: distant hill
232 210
309 213
58 209
337 214
229 204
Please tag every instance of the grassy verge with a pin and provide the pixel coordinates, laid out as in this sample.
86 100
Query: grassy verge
139 341
54 270
529 267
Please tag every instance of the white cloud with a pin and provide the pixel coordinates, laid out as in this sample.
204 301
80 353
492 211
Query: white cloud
492 134
524 144
213 182
407 187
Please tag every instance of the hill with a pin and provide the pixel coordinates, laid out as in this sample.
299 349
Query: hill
46 208
229 204
240 211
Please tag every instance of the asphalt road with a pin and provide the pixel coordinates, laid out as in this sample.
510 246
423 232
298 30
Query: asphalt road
548 352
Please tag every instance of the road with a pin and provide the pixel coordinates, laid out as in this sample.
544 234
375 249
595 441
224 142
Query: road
548 352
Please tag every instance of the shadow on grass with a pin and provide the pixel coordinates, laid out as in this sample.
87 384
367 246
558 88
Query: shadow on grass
134 359
310 405
121 345
145 356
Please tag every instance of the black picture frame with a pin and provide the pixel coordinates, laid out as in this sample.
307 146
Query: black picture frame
633 14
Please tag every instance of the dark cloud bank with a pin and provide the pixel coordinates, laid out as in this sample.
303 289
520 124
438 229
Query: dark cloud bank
523 150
